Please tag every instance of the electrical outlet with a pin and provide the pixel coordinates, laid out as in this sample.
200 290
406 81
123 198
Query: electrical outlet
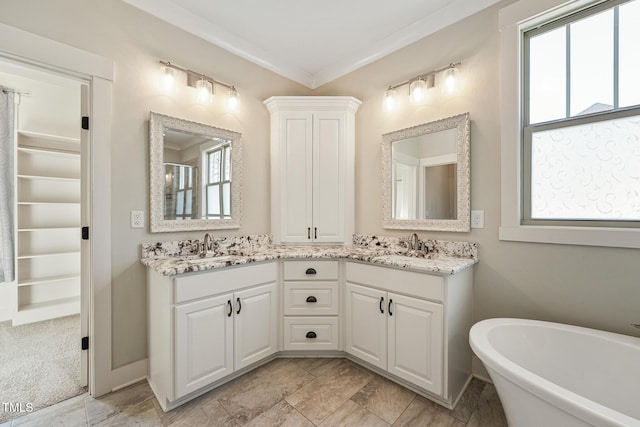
477 219
137 219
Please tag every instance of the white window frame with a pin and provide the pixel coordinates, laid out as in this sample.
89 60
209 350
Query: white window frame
514 20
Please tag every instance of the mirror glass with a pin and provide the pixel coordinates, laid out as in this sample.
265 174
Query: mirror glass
195 175
426 176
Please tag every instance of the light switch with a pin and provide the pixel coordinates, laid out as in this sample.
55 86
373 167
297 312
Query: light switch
477 219
137 219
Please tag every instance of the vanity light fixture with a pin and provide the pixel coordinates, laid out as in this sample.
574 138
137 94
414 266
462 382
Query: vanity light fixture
419 85
205 85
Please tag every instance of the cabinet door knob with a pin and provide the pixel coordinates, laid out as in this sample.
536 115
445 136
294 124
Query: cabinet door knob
389 308
310 271
312 299
311 334
230 308
239 305
381 302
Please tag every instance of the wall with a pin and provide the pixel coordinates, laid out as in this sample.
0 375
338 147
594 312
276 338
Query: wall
135 42
582 285
589 286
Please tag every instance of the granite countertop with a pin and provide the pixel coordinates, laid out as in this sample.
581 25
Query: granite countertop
183 261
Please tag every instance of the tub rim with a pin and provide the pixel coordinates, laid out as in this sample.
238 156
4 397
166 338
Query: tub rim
555 395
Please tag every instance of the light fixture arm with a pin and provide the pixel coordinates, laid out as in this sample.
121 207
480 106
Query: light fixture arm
193 76
424 75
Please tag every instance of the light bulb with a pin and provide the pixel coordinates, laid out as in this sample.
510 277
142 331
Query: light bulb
389 100
204 90
233 101
168 78
450 79
418 90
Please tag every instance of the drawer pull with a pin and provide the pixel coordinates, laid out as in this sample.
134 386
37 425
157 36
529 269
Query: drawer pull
381 302
230 308
389 309
308 232
239 305
310 271
312 299
315 232
311 335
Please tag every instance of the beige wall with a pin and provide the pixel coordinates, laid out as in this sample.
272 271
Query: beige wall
582 285
135 42
589 286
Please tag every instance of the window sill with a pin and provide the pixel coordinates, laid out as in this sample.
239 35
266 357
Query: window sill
585 236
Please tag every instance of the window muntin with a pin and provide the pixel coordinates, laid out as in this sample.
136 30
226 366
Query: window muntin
581 139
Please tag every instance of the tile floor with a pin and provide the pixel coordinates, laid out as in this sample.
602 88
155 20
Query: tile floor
284 392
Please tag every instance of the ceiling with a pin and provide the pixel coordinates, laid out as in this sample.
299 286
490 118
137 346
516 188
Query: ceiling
309 42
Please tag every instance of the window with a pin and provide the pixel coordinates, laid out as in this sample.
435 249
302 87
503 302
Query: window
581 119
218 184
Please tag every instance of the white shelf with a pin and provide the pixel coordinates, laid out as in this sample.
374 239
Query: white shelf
20 230
48 203
48 151
57 138
52 309
50 279
31 256
49 178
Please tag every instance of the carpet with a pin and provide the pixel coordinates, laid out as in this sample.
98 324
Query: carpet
39 365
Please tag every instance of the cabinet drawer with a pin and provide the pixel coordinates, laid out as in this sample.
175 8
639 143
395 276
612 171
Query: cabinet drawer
311 270
421 285
215 282
311 333
311 298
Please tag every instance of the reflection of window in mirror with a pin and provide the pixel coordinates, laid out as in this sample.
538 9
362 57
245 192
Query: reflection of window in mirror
218 185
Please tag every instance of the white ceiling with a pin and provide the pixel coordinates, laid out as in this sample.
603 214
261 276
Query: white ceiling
309 42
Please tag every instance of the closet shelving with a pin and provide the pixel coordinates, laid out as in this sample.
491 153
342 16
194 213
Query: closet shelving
48 226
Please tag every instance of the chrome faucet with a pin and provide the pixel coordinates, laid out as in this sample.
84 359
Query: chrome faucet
207 245
414 242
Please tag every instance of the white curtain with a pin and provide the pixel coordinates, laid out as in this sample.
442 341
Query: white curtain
7 123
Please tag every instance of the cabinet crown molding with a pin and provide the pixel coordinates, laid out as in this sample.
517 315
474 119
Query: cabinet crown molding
315 103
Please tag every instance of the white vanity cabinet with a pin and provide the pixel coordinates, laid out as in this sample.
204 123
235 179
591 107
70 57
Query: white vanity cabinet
311 305
312 168
411 325
206 326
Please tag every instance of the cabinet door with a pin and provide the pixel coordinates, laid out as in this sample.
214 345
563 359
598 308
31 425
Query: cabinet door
203 343
256 321
329 176
366 324
296 177
416 341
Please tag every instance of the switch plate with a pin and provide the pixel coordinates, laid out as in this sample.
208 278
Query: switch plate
477 219
137 219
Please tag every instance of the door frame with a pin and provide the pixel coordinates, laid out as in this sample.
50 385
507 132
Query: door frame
31 49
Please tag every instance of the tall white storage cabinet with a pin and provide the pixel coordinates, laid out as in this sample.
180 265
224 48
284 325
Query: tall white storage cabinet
48 202
312 168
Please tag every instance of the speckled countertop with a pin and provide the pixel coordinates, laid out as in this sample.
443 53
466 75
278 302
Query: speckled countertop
444 257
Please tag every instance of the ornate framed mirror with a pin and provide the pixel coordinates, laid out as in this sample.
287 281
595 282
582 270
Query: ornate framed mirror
195 176
426 176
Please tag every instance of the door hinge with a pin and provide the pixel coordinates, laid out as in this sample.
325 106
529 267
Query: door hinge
85 343
85 233
85 122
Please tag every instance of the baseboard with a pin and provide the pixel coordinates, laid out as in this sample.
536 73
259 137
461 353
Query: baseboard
129 374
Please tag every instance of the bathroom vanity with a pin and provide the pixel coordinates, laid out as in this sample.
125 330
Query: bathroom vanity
215 318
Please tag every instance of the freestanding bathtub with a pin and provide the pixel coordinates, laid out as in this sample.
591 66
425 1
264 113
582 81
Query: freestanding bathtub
555 375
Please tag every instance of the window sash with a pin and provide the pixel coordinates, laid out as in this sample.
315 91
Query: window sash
224 180
529 129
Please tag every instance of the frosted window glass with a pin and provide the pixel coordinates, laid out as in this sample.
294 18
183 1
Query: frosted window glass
547 76
189 199
179 203
226 199
629 58
214 166
587 172
592 64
